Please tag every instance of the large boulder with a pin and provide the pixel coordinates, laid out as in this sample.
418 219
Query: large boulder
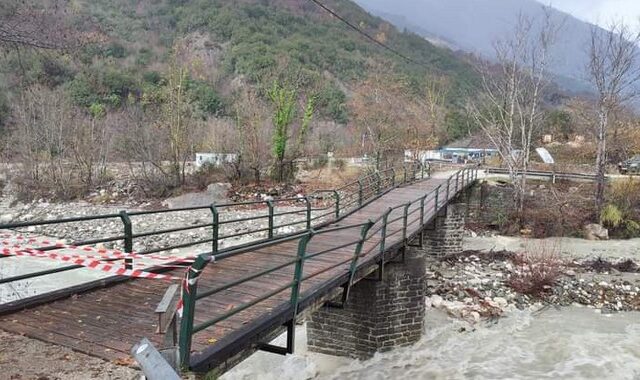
595 232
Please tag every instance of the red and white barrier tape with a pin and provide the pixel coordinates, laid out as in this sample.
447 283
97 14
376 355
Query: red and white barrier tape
87 263
94 262
103 252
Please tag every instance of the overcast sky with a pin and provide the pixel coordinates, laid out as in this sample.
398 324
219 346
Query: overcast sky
601 11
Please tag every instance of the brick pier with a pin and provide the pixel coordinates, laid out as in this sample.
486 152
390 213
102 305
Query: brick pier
381 315
444 236
378 316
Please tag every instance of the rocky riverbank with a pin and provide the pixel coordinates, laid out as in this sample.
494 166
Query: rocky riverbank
475 285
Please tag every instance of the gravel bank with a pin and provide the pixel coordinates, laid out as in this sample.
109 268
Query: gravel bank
24 358
476 285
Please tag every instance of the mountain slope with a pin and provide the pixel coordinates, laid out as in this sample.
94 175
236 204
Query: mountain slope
227 44
474 25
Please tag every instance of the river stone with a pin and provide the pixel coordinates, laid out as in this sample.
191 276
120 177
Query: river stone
595 232
6 218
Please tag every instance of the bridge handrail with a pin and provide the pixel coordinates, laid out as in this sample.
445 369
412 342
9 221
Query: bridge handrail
357 198
191 294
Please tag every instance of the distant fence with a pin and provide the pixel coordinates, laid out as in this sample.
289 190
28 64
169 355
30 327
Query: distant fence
546 174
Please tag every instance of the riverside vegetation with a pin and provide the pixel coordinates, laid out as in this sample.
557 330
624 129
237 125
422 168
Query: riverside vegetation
149 83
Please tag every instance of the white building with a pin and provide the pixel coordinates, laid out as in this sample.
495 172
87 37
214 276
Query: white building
215 159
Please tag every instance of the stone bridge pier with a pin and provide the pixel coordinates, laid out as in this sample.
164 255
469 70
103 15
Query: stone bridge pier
381 314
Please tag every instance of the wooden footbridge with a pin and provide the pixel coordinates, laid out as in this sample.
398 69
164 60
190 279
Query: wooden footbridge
235 300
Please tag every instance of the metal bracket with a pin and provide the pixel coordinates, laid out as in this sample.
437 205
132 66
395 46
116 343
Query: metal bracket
420 239
291 341
343 299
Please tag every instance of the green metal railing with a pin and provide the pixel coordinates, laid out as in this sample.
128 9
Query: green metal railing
394 226
316 211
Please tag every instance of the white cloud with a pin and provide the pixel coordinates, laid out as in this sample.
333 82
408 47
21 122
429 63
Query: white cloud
601 12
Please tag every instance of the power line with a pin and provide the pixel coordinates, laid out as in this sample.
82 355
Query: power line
365 34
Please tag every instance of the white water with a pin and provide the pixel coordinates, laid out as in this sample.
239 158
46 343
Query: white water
570 343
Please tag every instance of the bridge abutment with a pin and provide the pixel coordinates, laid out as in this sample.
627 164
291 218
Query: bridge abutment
378 316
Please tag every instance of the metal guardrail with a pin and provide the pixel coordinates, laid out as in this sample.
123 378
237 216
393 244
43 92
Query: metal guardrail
342 201
395 220
549 174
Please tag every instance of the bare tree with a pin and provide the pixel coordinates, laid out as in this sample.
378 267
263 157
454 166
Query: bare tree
386 115
252 128
614 68
436 90
509 108
61 150
89 145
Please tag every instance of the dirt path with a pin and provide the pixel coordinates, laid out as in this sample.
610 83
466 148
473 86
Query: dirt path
25 358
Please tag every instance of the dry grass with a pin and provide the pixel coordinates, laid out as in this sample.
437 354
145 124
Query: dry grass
329 177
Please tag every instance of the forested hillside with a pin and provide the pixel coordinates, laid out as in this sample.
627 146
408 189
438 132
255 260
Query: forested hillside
154 80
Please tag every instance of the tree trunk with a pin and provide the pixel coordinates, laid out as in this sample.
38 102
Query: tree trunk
601 160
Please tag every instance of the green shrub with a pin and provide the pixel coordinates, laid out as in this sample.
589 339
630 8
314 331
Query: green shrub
115 50
114 81
144 57
81 91
207 99
625 194
152 77
611 216
54 72
630 229
97 110
331 103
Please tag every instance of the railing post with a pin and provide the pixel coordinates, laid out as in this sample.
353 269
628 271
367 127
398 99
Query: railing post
298 272
356 255
359 192
429 170
189 291
215 227
422 200
393 177
378 183
435 205
128 238
448 186
405 223
383 231
457 179
308 201
270 232
337 195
